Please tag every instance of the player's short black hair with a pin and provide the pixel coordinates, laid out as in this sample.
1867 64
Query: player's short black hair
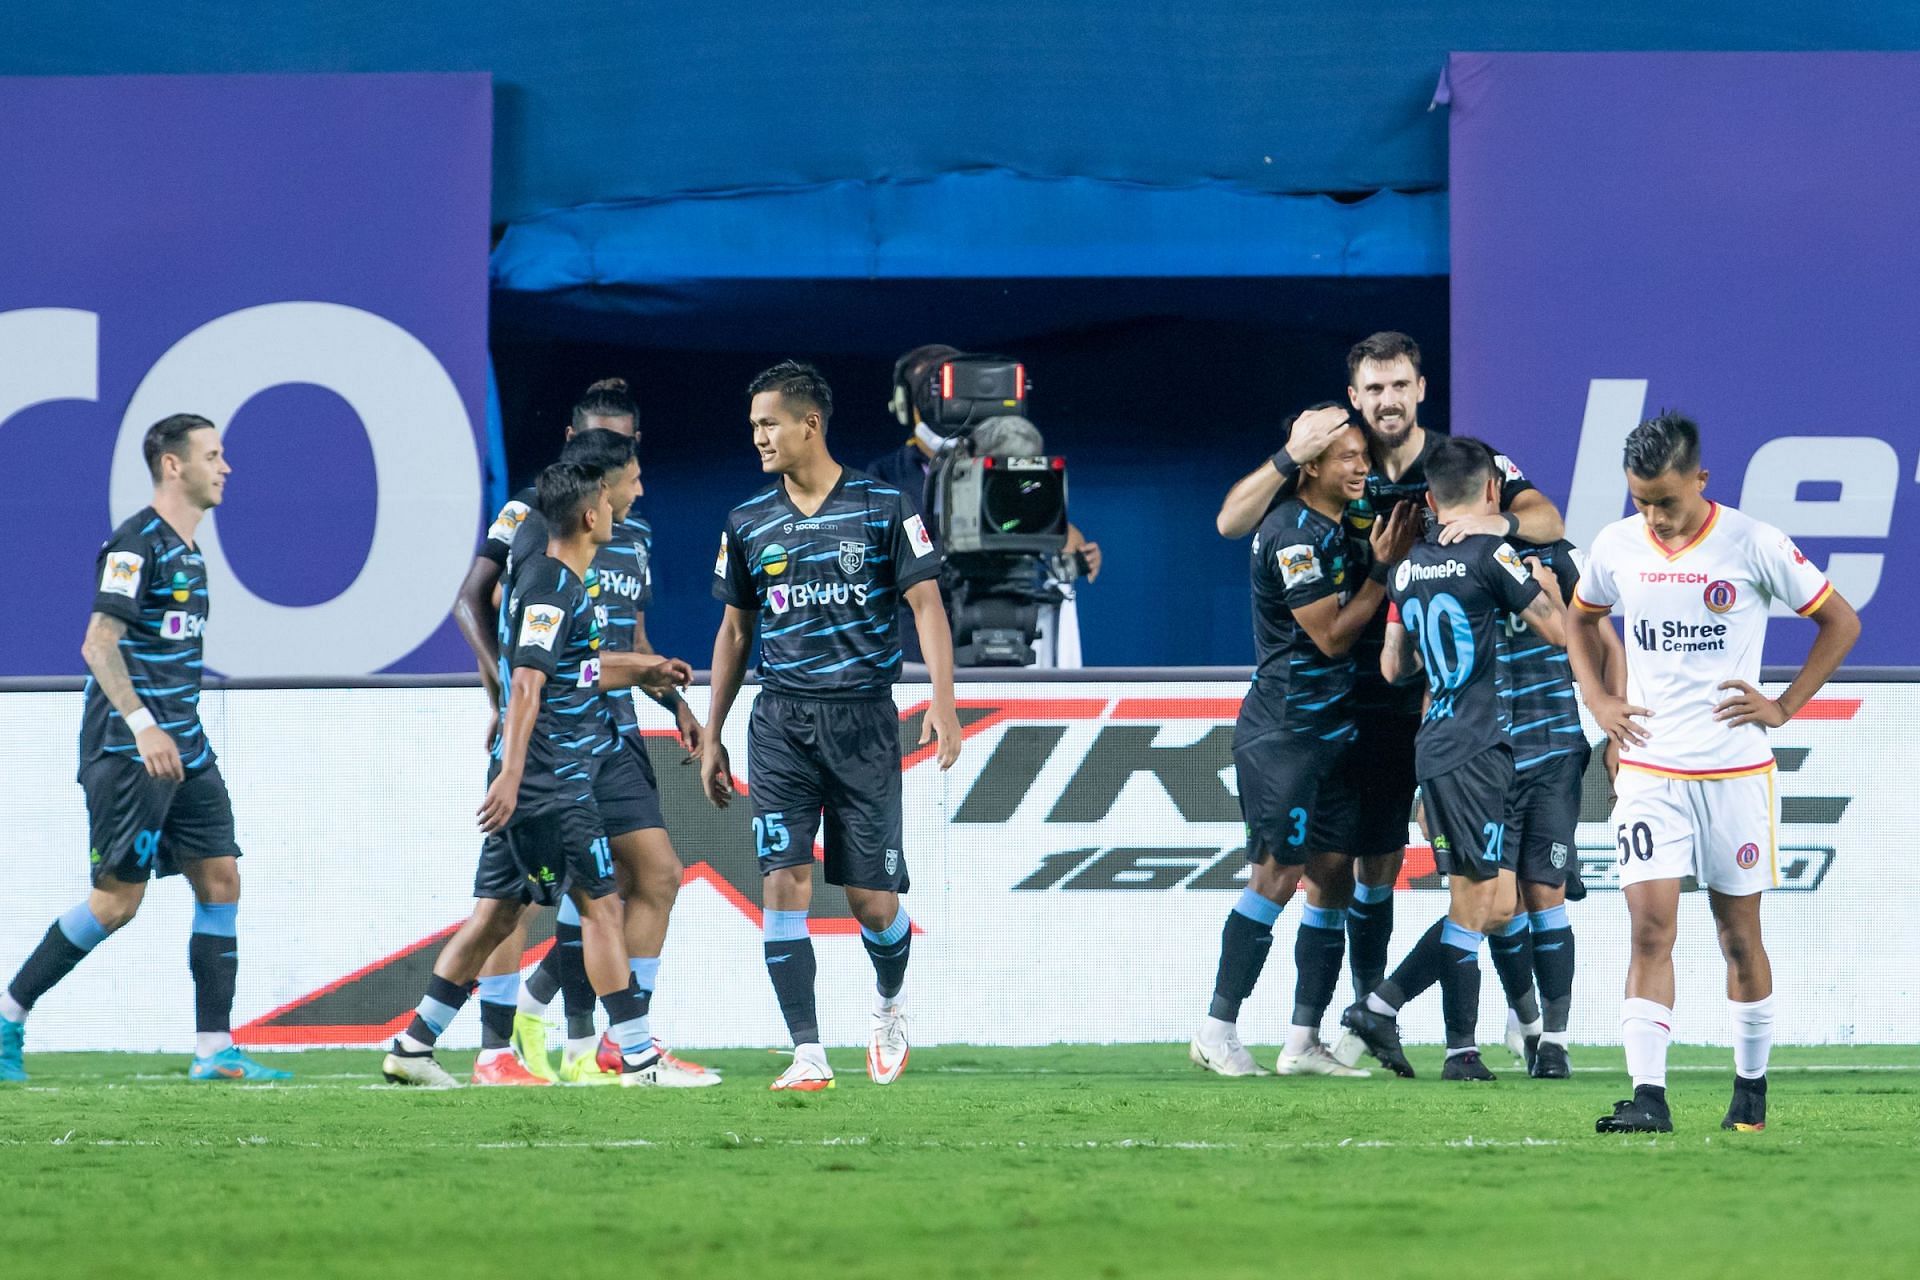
601 451
1667 442
1286 423
169 435
796 380
607 398
1458 469
563 491
1385 346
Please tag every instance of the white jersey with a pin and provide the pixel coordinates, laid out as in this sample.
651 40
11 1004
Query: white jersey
1696 617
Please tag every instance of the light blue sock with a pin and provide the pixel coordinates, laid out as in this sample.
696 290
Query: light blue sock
86 933
1255 907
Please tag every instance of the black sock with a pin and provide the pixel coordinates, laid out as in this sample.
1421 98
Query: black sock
1420 970
1369 930
213 956
1553 965
437 1009
1317 950
543 984
570 968
51 961
888 950
1460 985
496 1025
1245 940
790 963
1513 961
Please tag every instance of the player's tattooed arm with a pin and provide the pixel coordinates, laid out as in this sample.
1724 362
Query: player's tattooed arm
1247 502
1546 615
101 650
473 613
1839 627
730 646
684 721
523 709
936 645
1398 657
1587 653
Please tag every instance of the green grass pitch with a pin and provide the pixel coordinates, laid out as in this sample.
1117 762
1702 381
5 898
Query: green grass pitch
1072 1161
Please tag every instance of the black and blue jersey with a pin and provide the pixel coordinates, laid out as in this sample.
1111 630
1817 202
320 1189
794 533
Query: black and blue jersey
547 623
620 584
150 579
827 587
1454 602
1537 677
1299 557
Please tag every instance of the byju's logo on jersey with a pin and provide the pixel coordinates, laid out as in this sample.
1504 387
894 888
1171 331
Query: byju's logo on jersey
178 624
853 557
779 598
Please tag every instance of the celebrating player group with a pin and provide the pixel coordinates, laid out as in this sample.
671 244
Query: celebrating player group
1420 620
1421 626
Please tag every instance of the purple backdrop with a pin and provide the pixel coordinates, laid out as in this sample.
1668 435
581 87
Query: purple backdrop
1727 234
302 259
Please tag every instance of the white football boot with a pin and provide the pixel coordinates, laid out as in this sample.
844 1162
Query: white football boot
1316 1060
1224 1057
808 1074
416 1069
887 1048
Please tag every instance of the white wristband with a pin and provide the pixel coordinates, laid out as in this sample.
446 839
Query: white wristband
140 720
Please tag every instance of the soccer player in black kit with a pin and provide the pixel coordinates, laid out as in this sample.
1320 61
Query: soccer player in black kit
1313 593
820 563
1386 388
544 834
156 803
1450 600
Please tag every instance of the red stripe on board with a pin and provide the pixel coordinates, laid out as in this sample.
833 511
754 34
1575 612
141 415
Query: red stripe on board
1830 709
1176 709
1035 709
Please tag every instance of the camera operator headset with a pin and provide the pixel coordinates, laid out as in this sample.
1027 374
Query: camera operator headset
909 469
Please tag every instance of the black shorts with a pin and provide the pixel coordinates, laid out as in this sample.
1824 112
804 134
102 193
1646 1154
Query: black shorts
139 825
1380 767
1469 812
543 857
805 756
1296 796
1546 813
626 791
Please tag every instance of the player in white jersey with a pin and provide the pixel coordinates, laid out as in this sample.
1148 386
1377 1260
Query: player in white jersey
1694 581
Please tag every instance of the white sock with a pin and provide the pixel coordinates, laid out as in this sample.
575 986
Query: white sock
1646 1028
528 1004
584 1045
1381 1007
812 1052
1465 1048
890 1004
12 1010
1554 1037
208 1043
1752 1037
1214 1031
492 1055
1300 1039
411 1044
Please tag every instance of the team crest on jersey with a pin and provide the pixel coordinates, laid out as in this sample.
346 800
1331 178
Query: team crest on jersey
1510 561
539 626
773 560
1748 856
853 557
1298 566
1720 595
122 574
507 523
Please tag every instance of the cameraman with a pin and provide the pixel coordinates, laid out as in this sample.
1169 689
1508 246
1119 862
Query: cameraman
907 468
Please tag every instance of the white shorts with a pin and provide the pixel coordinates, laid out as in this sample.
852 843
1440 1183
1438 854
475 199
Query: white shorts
1722 832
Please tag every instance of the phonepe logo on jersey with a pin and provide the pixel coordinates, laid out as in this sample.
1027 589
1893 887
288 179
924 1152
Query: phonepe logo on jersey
1680 637
1411 572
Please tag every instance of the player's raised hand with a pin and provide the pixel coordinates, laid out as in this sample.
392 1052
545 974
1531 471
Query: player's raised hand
945 722
1467 526
716 774
1617 719
503 797
159 753
1392 538
1313 431
667 675
1749 706
1549 584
